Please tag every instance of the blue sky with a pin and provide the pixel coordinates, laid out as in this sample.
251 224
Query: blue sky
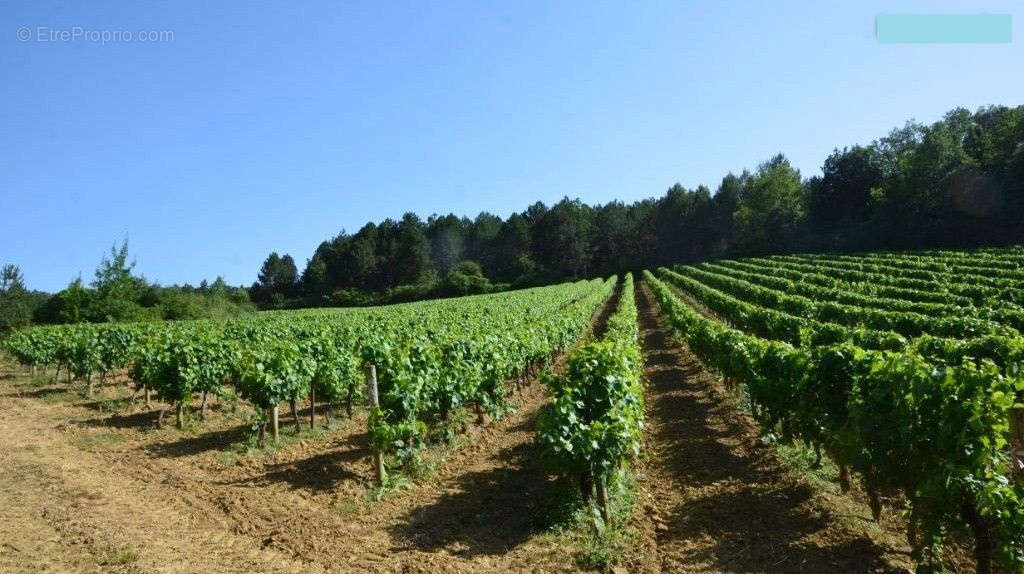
261 128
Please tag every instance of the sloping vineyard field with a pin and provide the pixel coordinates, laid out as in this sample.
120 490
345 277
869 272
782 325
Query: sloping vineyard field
902 368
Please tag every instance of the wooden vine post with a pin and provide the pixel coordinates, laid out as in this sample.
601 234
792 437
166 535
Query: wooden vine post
1017 443
602 499
275 426
312 405
371 384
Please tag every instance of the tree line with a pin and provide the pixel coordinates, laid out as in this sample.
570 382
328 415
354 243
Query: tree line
958 182
116 294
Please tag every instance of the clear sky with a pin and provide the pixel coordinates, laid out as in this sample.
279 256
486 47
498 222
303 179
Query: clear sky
260 128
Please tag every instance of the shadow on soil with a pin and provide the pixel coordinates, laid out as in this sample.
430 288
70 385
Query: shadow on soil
40 393
322 472
193 445
319 473
491 512
113 405
601 323
140 420
757 518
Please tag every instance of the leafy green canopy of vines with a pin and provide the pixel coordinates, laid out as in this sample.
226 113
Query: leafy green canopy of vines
936 433
594 422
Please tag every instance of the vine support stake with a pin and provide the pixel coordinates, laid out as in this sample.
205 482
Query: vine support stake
312 406
602 499
1017 443
275 427
371 384
844 477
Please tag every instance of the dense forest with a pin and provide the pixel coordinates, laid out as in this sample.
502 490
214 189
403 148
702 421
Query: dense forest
958 182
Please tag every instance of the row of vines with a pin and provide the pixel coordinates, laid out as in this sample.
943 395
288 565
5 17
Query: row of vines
431 359
904 369
592 426
910 381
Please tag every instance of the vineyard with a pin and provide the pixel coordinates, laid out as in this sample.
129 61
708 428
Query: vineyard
428 359
902 370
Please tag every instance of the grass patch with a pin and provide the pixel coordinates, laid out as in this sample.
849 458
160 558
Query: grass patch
602 545
447 431
227 458
92 441
444 440
112 405
800 459
403 475
53 396
423 468
394 482
287 435
119 556
40 379
596 545
229 403
348 507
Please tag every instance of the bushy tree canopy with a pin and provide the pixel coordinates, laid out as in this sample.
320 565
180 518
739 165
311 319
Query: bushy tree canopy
116 294
15 304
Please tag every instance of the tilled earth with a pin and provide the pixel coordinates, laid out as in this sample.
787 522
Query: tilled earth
84 491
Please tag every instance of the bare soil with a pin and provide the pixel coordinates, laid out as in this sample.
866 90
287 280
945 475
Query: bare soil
85 491
714 498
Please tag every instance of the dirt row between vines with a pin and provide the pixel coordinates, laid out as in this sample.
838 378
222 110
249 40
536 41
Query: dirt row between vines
716 499
88 491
